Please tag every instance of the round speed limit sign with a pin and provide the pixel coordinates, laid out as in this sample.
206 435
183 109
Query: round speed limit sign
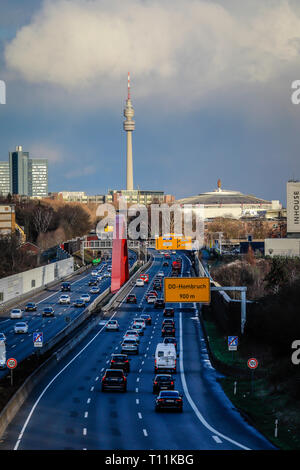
252 363
11 363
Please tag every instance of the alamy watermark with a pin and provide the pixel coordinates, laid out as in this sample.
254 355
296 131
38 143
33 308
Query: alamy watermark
296 354
2 92
140 222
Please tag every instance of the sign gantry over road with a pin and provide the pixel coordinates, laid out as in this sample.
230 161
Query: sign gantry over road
187 289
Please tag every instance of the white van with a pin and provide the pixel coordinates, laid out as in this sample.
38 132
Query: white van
165 358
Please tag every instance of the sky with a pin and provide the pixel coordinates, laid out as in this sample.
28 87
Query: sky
210 85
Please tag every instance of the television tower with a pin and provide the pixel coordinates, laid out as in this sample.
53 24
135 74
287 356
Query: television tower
129 126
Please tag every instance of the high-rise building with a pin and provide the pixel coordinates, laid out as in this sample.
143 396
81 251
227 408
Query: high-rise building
38 177
23 175
4 179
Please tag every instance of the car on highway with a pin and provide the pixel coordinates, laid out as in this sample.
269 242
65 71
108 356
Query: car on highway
147 318
168 321
170 340
168 330
151 299
21 327
106 275
30 307
93 282
130 346
169 312
94 273
165 263
159 303
79 303
16 313
139 321
157 285
85 297
95 290
173 252
163 382
114 379
151 292
145 277
2 337
120 361
131 299
160 274
64 299
138 329
112 325
65 287
48 312
169 399
132 334
139 283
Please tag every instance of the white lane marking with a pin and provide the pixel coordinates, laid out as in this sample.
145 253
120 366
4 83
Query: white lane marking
137 401
140 371
84 431
136 390
97 378
191 402
138 379
88 400
217 439
145 432
140 415
92 389
51 382
86 414
143 362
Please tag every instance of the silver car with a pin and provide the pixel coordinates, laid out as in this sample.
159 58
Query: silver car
16 313
21 327
64 299
129 346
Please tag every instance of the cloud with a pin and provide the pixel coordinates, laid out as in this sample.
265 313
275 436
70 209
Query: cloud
184 51
45 150
84 171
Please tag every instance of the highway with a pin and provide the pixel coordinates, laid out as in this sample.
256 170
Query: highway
67 410
21 346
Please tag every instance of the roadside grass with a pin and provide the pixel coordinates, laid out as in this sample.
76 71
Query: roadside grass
258 401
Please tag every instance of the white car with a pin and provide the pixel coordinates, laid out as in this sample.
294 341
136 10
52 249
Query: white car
94 273
112 325
64 299
151 299
16 313
131 334
140 322
95 290
85 297
99 277
21 327
160 274
139 283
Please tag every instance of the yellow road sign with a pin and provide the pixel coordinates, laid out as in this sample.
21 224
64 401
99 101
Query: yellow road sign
187 289
173 243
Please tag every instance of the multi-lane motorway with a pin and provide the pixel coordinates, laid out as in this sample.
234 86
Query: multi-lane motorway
67 410
20 346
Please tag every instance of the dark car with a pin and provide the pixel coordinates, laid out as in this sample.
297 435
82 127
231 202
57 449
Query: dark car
169 312
168 321
48 312
147 318
30 307
165 263
157 286
79 303
120 361
159 303
93 282
131 299
163 382
169 399
114 379
168 330
65 287
170 339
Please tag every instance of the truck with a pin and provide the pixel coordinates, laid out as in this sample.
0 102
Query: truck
165 358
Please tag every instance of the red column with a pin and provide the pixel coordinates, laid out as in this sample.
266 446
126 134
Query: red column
119 265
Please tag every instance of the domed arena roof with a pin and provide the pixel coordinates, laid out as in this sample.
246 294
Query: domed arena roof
222 196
